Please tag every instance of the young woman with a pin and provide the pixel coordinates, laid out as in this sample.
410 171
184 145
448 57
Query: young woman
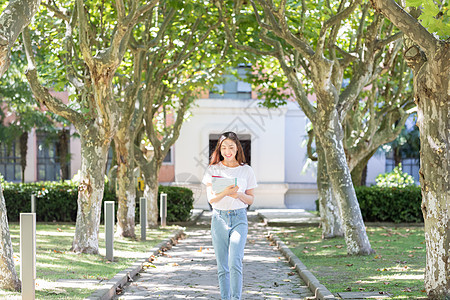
229 225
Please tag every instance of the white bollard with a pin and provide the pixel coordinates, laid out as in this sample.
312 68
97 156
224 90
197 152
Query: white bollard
109 230
143 217
28 255
163 209
33 203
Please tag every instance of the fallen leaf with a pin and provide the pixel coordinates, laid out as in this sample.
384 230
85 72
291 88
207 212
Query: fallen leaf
59 229
200 250
339 246
362 289
377 256
286 280
327 246
291 273
386 283
175 265
407 290
349 265
349 289
411 255
305 251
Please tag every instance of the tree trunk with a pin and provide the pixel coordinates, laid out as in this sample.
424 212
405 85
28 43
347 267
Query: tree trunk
63 153
431 84
330 218
429 58
126 194
330 134
359 172
13 19
8 275
23 153
94 151
151 174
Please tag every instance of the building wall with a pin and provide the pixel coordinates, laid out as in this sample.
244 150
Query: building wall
266 129
300 171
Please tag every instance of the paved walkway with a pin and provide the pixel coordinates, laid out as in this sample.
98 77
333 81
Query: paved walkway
188 271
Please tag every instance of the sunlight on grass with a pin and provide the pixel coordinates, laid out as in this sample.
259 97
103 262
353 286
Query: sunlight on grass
55 261
397 267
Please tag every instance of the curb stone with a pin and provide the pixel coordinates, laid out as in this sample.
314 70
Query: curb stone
306 222
108 289
318 289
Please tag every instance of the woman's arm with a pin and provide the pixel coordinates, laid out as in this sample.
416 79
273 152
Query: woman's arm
248 197
213 197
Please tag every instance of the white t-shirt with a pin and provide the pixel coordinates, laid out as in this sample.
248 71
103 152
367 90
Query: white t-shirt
246 180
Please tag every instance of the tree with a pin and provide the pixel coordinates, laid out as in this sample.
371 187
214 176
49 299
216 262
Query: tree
8 274
185 60
95 41
303 37
427 52
380 116
13 19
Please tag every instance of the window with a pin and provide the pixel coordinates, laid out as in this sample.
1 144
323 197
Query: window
233 88
10 166
168 159
48 166
245 142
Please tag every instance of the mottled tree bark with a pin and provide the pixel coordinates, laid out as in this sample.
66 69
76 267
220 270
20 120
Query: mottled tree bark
94 153
429 59
151 175
8 275
331 222
126 194
13 19
330 133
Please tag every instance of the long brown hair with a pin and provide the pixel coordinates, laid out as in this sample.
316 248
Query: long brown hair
216 157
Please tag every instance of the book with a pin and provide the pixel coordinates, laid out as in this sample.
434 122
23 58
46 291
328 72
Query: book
219 183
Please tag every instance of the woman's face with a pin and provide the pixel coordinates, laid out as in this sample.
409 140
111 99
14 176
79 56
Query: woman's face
228 149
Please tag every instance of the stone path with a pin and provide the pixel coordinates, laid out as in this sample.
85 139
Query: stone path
188 270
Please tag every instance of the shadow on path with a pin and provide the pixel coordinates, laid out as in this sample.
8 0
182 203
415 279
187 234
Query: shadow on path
188 270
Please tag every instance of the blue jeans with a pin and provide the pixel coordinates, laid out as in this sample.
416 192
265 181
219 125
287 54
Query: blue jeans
229 230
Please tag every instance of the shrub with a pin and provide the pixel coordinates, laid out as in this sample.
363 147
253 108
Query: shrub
180 202
395 178
390 204
56 201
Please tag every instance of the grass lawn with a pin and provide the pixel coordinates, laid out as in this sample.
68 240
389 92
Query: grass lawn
397 267
55 261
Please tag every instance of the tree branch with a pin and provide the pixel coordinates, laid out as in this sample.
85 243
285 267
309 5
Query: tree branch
85 46
407 24
231 38
41 94
334 20
58 13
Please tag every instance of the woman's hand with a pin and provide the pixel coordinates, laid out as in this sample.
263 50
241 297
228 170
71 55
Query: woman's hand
231 191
